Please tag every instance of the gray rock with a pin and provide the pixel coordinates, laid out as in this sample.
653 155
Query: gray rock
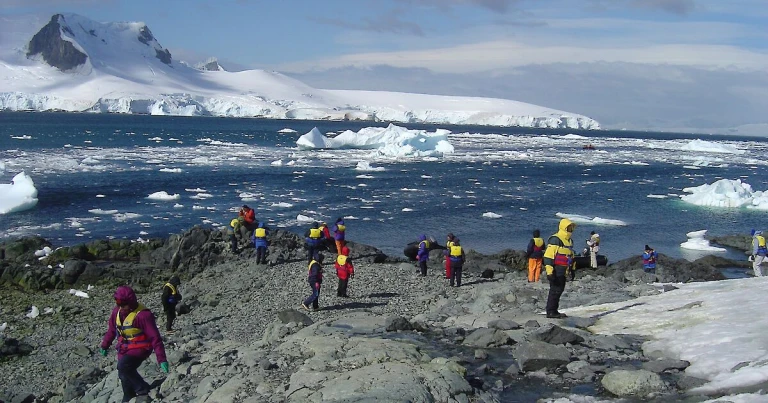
554 334
659 366
638 383
395 323
485 337
537 355
292 315
503 324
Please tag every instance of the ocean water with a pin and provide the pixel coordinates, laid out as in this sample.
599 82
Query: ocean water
94 173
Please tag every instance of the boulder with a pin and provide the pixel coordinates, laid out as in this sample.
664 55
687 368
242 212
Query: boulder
537 355
554 334
486 337
639 383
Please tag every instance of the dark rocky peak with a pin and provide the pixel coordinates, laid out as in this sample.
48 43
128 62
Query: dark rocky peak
145 35
211 64
56 51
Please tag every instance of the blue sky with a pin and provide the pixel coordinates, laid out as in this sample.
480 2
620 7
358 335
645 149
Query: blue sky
568 54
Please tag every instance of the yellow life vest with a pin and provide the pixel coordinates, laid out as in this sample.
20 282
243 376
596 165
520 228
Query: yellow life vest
173 289
426 244
341 260
340 227
538 243
309 268
234 223
455 251
760 241
260 232
449 244
315 233
131 336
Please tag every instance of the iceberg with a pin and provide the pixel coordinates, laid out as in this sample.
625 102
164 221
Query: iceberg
392 141
711 147
582 219
726 193
696 241
19 195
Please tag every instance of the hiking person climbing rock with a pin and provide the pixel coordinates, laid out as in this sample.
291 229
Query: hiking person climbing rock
171 296
558 262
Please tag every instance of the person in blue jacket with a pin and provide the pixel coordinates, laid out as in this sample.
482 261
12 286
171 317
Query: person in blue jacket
315 279
260 242
649 260
314 240
423 254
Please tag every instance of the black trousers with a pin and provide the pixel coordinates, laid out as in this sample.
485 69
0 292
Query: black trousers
311 250
261 254
556 288
423 267
170 316
456 273
133 384
342 290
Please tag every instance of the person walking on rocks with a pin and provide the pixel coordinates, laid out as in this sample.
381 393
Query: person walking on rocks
535 253
558 262
423 254
344 271
339 234
315 279
314 240
759 251
457 257
593 243
260 243
649 260
328 243
137 336
448 244
171 296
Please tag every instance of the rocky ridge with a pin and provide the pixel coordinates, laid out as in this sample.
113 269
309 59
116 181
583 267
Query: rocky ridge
401 337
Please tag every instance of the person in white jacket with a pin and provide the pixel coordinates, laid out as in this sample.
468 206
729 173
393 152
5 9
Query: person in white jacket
594 246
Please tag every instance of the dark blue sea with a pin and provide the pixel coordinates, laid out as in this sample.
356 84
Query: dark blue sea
94 173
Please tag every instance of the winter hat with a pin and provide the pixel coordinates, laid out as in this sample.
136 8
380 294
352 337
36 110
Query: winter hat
124 295
647 247
450 236
319 257
175 280
536 233
423 237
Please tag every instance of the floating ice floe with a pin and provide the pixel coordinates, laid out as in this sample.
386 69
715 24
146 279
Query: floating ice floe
171 170
726 193
303 218
102 212
78 293
287 130
696 241
276 163
392 141
282 205
582 219
19 195
711 147
491 214
366 166
163 195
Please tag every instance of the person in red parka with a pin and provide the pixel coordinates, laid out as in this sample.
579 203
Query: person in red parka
137 336
344 270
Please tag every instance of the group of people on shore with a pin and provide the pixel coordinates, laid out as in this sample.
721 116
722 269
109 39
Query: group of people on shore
317 239
453 254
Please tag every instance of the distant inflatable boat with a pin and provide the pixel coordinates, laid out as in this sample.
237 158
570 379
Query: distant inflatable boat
588 147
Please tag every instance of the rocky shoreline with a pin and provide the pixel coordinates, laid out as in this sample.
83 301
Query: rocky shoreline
400 337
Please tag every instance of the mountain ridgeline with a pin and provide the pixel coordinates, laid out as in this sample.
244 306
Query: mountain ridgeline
120 67
61 53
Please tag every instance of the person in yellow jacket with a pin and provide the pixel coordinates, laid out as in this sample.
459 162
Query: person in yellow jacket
558 263
535 253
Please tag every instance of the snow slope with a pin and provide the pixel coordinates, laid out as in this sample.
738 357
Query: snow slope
123 74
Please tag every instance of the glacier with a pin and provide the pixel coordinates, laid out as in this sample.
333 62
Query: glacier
127 71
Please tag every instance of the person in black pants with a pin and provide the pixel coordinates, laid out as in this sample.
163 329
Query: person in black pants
558 262
171 297
456 254
315 279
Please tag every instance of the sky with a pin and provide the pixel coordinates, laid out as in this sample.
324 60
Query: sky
637 64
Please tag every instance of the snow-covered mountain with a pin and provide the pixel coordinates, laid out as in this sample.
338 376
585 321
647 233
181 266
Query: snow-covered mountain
71 63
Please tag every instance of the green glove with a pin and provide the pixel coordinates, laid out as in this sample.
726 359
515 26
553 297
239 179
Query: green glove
164 367
103 352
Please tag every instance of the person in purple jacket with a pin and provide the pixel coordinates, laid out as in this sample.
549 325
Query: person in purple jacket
423 254
137 336
339 230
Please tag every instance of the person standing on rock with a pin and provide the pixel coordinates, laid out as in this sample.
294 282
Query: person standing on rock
315 279
314 239
137 336
171 296
423 254
344 271
759 251
649 260
593 243
535 253
558 261
339 234
457 257
448 244
260 243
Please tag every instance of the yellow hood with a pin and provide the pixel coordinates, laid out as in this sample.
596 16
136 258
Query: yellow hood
562 232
